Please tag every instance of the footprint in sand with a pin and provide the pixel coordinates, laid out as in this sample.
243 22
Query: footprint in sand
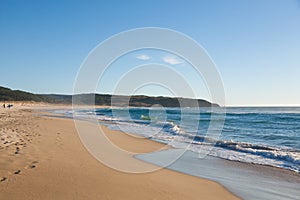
17 150
3 179
17 172
58 139
32 166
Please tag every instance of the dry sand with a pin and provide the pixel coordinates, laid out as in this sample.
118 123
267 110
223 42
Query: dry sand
43 158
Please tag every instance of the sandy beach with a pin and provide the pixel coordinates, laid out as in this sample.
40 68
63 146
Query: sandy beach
43 158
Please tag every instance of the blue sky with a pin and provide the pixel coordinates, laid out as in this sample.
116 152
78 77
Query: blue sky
254 43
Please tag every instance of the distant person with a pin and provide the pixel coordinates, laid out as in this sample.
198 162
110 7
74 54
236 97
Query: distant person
10 105
4 105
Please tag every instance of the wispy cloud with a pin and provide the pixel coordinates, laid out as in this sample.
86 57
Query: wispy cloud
143 57
172 60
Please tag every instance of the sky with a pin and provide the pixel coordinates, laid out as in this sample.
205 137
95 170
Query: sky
255 44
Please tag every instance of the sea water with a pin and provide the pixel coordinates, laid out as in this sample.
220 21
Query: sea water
266 136
255 151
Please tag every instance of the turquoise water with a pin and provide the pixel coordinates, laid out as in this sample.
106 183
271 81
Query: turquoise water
266 136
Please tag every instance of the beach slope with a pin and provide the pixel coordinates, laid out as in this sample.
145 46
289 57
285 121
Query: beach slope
43 158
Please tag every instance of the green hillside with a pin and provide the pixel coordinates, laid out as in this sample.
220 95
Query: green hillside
7 94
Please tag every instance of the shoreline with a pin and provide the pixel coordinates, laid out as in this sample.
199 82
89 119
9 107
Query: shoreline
258 173
246 180
106 124
45 166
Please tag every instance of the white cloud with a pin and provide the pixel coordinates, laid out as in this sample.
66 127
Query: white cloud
143 57
172 60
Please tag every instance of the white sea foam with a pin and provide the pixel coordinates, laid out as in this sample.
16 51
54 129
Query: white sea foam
171 133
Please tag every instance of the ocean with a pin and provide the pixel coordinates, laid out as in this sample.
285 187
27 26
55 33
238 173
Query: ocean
253 152
265 136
